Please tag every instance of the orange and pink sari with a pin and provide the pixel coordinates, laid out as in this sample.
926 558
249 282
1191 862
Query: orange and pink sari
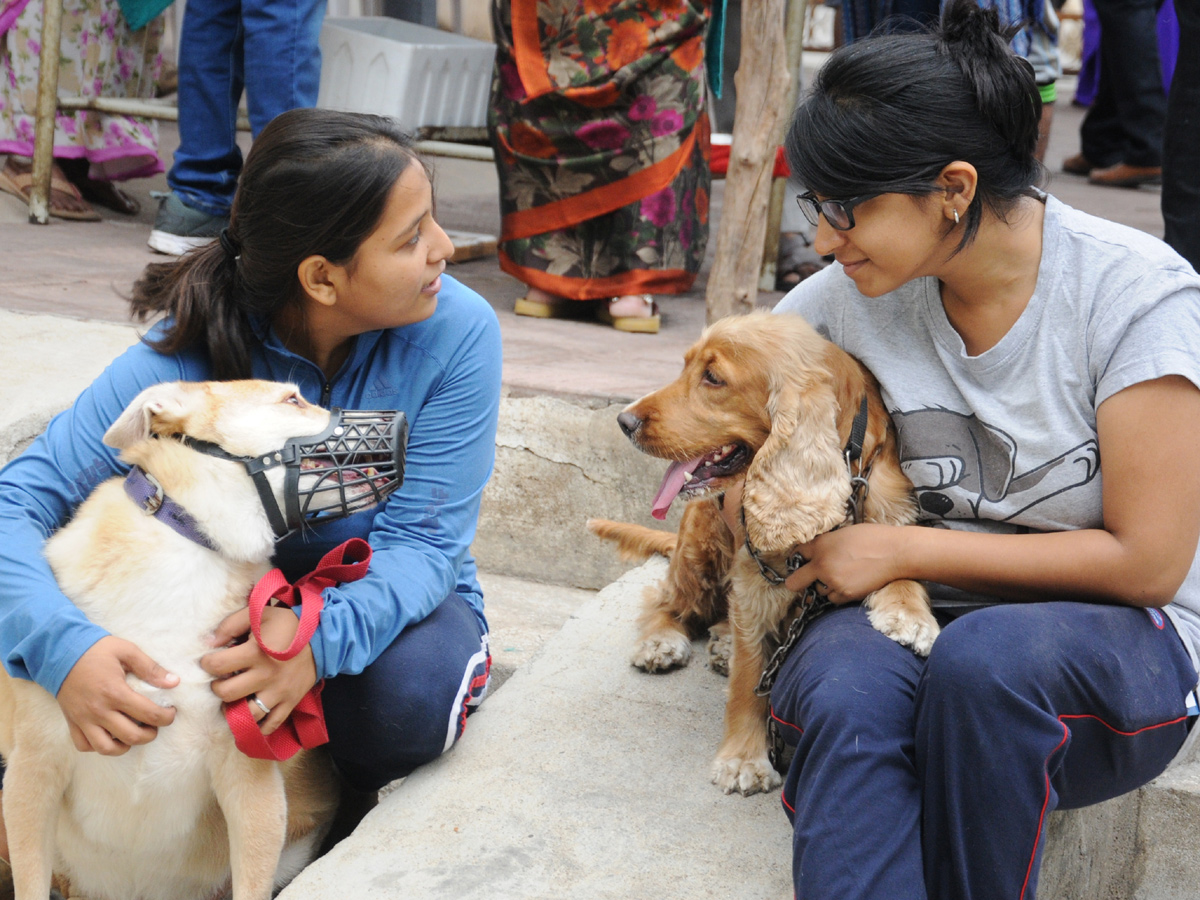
601 138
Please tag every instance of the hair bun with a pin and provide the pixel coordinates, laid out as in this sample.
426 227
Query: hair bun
1002 82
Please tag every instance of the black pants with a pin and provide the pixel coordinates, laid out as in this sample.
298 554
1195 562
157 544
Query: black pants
1125 121
1181 146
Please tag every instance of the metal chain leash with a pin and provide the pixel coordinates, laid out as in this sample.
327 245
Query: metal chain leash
812 605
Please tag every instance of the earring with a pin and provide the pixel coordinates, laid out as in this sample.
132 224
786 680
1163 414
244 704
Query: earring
956 215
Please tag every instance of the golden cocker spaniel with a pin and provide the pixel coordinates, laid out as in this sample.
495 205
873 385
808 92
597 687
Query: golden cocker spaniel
762 398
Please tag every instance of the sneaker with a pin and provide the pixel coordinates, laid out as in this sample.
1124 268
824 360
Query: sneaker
179 228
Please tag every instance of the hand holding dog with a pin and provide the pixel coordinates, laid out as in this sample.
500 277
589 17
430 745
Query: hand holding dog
243 669
850 562
104 713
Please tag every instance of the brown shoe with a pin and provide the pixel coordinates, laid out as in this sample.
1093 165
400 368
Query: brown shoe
1077 165
1125 175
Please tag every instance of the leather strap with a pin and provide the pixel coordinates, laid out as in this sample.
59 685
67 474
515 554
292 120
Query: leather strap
305 726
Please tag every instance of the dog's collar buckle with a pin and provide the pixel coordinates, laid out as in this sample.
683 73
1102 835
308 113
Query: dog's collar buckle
148 494
152 504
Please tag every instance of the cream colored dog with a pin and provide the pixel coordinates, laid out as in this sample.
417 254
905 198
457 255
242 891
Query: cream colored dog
186 815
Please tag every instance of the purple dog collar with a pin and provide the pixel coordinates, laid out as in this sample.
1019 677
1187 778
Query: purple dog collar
144 490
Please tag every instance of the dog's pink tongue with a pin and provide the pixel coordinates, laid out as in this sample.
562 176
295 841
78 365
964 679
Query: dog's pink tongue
671 486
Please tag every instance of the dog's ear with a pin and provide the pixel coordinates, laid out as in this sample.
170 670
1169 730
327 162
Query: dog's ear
151 410
797 485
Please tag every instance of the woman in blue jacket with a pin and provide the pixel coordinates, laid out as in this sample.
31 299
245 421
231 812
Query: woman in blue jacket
330 276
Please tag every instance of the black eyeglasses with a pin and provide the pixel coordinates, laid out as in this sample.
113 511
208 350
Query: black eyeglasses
838 213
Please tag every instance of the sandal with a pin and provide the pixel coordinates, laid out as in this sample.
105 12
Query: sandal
20 184
797 261
102 193
642 324
541 309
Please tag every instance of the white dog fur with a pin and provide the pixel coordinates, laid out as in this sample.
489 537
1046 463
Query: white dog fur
187 815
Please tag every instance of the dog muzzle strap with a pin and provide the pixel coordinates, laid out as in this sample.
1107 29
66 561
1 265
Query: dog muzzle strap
356 463
305 726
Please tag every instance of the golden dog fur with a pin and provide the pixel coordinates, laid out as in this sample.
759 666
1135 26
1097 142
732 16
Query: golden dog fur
771 384
186 816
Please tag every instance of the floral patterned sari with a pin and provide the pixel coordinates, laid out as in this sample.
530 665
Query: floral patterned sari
100 56
601 140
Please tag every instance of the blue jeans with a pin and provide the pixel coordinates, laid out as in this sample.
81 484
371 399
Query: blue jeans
268 47
933 778
411 704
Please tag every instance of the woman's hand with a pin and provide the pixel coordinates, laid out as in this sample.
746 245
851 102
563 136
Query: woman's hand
103 712
243 669
851 562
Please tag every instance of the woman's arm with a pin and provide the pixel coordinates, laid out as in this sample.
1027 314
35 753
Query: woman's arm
43 636
1149 437
419 539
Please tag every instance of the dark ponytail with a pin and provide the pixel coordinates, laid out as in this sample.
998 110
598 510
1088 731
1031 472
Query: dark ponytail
315 183
888 113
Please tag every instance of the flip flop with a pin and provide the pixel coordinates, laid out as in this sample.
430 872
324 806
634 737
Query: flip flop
20 184
633 324
539 309
563 309
108 195
101 193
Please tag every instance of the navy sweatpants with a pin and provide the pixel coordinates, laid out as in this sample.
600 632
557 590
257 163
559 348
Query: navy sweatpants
933 778
410 705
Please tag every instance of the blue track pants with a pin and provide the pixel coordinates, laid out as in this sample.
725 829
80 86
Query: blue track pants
934 778
411 704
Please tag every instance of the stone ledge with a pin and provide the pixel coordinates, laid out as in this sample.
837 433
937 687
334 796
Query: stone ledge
582 778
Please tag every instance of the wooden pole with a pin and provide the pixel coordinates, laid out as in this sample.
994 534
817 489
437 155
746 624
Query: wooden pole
761 81
794 30
47 105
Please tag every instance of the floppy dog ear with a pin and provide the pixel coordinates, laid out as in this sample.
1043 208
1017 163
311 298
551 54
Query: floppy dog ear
797 485
166 402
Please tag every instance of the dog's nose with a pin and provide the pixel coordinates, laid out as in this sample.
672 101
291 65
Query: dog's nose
629 423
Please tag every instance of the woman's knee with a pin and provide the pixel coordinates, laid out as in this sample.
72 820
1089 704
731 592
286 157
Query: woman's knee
410 705
847 675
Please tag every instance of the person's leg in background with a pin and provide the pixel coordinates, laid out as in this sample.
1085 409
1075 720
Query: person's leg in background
268 47
1122 135
1028 707
206 166
282 56
1181 142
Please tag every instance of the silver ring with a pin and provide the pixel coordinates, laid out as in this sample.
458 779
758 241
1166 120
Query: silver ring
819 586
253 698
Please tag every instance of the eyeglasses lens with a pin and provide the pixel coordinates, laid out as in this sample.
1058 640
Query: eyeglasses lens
808 206
833 210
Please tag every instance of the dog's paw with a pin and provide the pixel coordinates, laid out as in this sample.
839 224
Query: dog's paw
746 776
915 630
663 650
720 648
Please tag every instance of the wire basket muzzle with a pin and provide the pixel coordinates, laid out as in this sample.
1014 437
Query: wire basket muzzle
354 464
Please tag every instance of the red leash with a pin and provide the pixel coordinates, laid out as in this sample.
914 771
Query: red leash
305 726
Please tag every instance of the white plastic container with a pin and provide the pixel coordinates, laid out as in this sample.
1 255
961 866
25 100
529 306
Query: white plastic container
418 75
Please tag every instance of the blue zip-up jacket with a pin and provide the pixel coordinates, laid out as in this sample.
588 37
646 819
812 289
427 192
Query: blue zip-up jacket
444 373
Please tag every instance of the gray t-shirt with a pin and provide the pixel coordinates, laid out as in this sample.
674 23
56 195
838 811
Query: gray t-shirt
1006 441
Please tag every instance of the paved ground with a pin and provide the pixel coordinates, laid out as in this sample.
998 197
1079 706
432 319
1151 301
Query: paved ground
81 270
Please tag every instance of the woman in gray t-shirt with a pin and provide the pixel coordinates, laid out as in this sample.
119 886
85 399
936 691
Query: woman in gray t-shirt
1018 343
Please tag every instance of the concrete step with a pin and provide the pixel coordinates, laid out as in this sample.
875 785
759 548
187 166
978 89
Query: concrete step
582 777
586 778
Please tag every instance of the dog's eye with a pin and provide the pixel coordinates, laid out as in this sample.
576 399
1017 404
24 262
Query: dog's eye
710 378
295 400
